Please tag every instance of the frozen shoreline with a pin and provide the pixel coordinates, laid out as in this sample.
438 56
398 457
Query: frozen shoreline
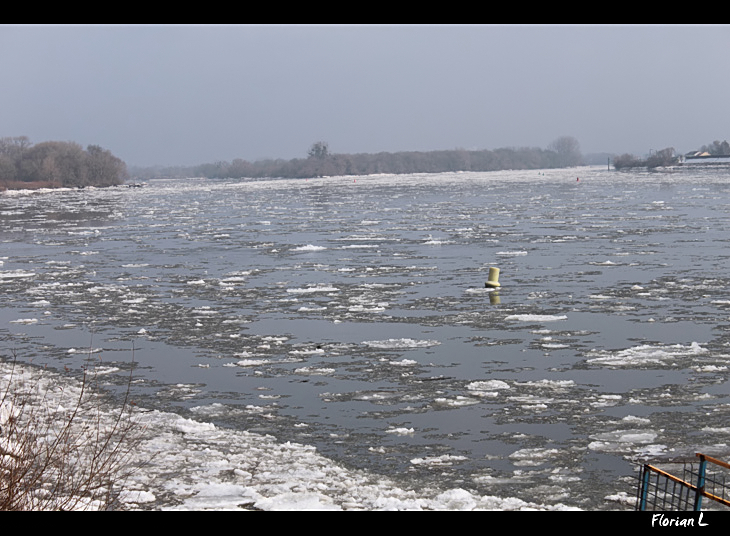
190 465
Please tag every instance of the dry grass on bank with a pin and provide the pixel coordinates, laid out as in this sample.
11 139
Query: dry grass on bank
27 185
62 447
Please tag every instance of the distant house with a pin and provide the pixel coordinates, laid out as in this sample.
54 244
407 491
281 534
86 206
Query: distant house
703 158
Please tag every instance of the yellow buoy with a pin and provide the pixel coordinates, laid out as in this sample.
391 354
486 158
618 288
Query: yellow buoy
493 280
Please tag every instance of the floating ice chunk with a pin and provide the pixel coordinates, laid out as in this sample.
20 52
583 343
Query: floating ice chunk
650 451
16 274
536 318
533 456
478 290
24 321
105 370
488 385
275 340
636 437
456 402
296 501
606 401
308 352
620 440
231 280
375 396
400 431
550 384
315 371
309 247
205 310
438 461
404 362
251 362
647 354
714 430
136 497
635 420
511 253
711 368
363 309
395 344
309 290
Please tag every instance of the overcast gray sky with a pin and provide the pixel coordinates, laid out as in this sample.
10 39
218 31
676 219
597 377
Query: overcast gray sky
189 95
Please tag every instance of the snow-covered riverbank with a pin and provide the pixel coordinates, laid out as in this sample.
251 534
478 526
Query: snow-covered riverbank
190 465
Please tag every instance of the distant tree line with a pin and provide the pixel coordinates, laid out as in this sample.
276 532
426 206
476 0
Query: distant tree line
663 158
667 157
563 152
716 148
57 164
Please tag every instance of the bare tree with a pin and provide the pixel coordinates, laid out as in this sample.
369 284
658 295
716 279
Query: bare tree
319 150
665 157
104 169
60 447
567 149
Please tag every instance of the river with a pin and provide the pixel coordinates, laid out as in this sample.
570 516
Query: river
351 314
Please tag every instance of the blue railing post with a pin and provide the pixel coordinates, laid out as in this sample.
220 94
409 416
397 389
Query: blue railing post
644 488
700 483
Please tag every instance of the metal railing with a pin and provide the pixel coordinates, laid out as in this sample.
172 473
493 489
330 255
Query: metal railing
660 490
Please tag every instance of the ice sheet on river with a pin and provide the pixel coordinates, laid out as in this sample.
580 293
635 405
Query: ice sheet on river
184 464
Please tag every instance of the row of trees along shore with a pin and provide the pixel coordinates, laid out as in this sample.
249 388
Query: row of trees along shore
54 164
67 164
668 157
319 162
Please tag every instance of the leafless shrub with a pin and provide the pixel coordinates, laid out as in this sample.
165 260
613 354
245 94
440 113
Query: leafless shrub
61 446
